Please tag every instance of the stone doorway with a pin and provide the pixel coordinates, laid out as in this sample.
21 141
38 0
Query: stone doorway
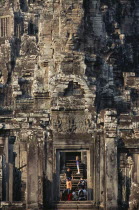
67 158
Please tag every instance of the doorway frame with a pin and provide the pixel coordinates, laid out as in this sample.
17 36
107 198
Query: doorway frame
56 167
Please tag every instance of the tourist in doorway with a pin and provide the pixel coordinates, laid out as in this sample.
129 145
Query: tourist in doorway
85 194
68 185
78 164
74 195
68 174
82 183
81 195
69 177
70 196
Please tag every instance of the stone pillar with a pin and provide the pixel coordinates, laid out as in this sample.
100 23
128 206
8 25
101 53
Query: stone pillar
100 162
1 168
32 178
111 175
97 169
10 143
56 176
10 168
41 167
23 170
102 170
49 172
90 173
6 152
8 162
0 177
0 27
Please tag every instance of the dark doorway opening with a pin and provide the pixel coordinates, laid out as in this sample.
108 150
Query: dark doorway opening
68 160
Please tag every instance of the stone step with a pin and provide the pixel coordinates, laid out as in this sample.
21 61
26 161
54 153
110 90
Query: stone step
6 205
73 182
75 170
75 179
74 163
74 166
64 184
75 176
74 205
63 187
71 162
71 165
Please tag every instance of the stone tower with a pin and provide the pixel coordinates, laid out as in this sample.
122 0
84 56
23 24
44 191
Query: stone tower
69 86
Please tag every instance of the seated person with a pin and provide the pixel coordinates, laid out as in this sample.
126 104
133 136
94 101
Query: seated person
85 194
82 183
74 196
81 195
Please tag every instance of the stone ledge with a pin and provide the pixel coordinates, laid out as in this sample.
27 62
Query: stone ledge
12 205
73 205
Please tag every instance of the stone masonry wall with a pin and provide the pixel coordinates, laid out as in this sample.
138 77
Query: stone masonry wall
69 73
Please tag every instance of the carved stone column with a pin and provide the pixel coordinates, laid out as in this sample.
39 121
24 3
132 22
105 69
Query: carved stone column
49 173
6 152
32 181
10 167
41 167
111 175
102 170
1 160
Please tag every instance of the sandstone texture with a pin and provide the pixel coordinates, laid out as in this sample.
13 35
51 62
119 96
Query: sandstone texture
69 80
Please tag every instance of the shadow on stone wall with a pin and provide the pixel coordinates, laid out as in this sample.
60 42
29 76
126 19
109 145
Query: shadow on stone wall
113 56
47 185
124 204
50 193
17 185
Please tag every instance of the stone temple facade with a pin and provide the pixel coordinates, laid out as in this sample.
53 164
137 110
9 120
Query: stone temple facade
69 82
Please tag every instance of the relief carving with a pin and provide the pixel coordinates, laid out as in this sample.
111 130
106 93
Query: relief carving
71 123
